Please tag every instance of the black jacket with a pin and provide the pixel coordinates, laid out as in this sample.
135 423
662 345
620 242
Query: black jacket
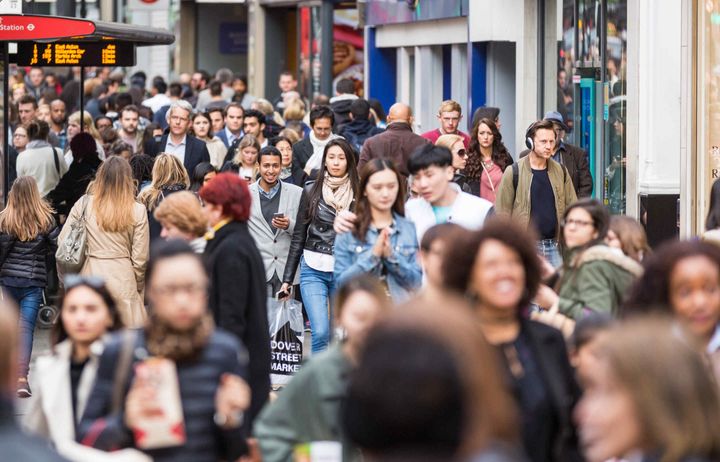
302 152
198 380
16 445
27 260
317 235
298 177
341 109
576 161
238 300
550 354
154 225
73 184
357 131
195 151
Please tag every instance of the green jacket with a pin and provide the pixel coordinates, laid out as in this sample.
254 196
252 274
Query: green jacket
307 409
596 280
516 203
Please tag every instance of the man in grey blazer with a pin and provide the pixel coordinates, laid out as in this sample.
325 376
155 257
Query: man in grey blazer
275 206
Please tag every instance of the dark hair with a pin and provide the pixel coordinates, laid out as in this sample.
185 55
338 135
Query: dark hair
651 292
212 109
159 84
316 190
378 108
198 176
539 125
599 215
215 88
321 112
83 146
204 75
122 100
130 108
485 112
206 115
98 286
447 232
118 147
713 216
231 192
100 117
237 106
461 256
587 328
37 130
28 99
176 89
362 205
360 109
427 156
268 150
254 113
345 86
500 154
141 165
171 248
362 283
277 139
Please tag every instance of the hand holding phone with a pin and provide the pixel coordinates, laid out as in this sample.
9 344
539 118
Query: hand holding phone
280 221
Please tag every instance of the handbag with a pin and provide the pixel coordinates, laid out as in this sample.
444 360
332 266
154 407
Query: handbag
71 252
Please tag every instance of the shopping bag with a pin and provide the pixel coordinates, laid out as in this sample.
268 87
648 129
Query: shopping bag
287 338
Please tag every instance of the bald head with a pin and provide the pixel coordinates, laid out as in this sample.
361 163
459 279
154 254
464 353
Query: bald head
8 346
400 112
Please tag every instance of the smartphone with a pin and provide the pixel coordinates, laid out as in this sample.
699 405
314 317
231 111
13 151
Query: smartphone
278 215
281 294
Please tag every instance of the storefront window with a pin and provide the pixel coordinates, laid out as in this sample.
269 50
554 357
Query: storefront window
708 76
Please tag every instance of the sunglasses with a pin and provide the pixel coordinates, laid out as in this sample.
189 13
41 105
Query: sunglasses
462 153
74 280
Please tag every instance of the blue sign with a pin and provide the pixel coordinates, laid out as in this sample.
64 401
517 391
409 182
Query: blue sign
233 38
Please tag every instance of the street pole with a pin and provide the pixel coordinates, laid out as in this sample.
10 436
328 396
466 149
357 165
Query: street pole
327 21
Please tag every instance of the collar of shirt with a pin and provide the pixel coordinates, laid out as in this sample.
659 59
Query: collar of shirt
211 233
270 194
557 157
181 143
714 344
231 138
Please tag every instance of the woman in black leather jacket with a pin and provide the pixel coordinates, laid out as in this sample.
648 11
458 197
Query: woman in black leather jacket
28 234
313 241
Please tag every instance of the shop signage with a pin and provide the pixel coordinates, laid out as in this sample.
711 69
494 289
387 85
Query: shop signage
27 27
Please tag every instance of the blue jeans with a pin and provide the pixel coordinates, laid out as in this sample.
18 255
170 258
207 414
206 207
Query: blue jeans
548 248
28 299
317 288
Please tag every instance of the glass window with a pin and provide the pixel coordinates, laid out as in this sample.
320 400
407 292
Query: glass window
708 88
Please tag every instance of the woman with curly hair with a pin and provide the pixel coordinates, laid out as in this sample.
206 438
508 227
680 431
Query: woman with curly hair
487 161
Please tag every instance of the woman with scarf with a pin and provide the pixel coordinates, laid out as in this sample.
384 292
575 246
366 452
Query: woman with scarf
313 242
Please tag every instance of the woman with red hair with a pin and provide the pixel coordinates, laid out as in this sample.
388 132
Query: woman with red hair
237 278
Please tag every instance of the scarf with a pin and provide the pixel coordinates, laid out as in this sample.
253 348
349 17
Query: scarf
285 173
337 192
315 161
178 345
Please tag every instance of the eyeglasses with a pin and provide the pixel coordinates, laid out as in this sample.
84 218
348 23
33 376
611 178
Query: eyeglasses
577 222
74 280
462 153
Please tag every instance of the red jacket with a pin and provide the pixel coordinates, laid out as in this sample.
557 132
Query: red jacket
433 136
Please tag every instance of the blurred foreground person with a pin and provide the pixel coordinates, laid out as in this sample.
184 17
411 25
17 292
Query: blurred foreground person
28 236
433 247
633 406
499 268
209 367
15 445
683 278
308 408
181 217
427 388
627 234
237 297
66 377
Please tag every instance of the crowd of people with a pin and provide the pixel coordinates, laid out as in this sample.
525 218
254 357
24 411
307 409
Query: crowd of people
463 303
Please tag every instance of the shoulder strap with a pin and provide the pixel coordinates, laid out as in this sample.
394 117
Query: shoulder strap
123 370
516 175
55 158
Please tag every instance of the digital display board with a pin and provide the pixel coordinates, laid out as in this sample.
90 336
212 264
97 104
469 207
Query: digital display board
75 54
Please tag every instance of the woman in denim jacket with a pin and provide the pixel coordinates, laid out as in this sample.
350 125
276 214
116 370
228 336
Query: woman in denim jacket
384 243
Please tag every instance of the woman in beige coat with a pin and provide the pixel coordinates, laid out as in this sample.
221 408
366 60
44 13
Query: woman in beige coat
117 237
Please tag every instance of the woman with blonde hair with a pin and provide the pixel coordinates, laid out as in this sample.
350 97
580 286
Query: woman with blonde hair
245 161
660 407
456 145
168 176
28 234
181 217
88 126
117 237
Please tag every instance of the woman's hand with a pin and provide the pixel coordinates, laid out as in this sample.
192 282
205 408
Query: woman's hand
546 297
141 403
382 241
285 288
555 319
231 400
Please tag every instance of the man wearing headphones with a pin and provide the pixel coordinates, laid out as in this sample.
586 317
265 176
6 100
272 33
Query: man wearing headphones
538 189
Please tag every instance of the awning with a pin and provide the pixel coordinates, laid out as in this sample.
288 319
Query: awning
42 28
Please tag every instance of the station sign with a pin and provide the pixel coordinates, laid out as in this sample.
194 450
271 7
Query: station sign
31 27
103 53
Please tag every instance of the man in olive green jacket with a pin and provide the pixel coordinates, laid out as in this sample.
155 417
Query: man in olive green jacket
537 189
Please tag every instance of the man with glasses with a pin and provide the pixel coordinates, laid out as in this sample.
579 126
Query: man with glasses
190 150
536 189
312 146
449 115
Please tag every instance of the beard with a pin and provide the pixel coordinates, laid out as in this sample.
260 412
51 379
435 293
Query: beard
179 345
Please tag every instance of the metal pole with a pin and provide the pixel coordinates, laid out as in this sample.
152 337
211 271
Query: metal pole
6 121
326 43
82 99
